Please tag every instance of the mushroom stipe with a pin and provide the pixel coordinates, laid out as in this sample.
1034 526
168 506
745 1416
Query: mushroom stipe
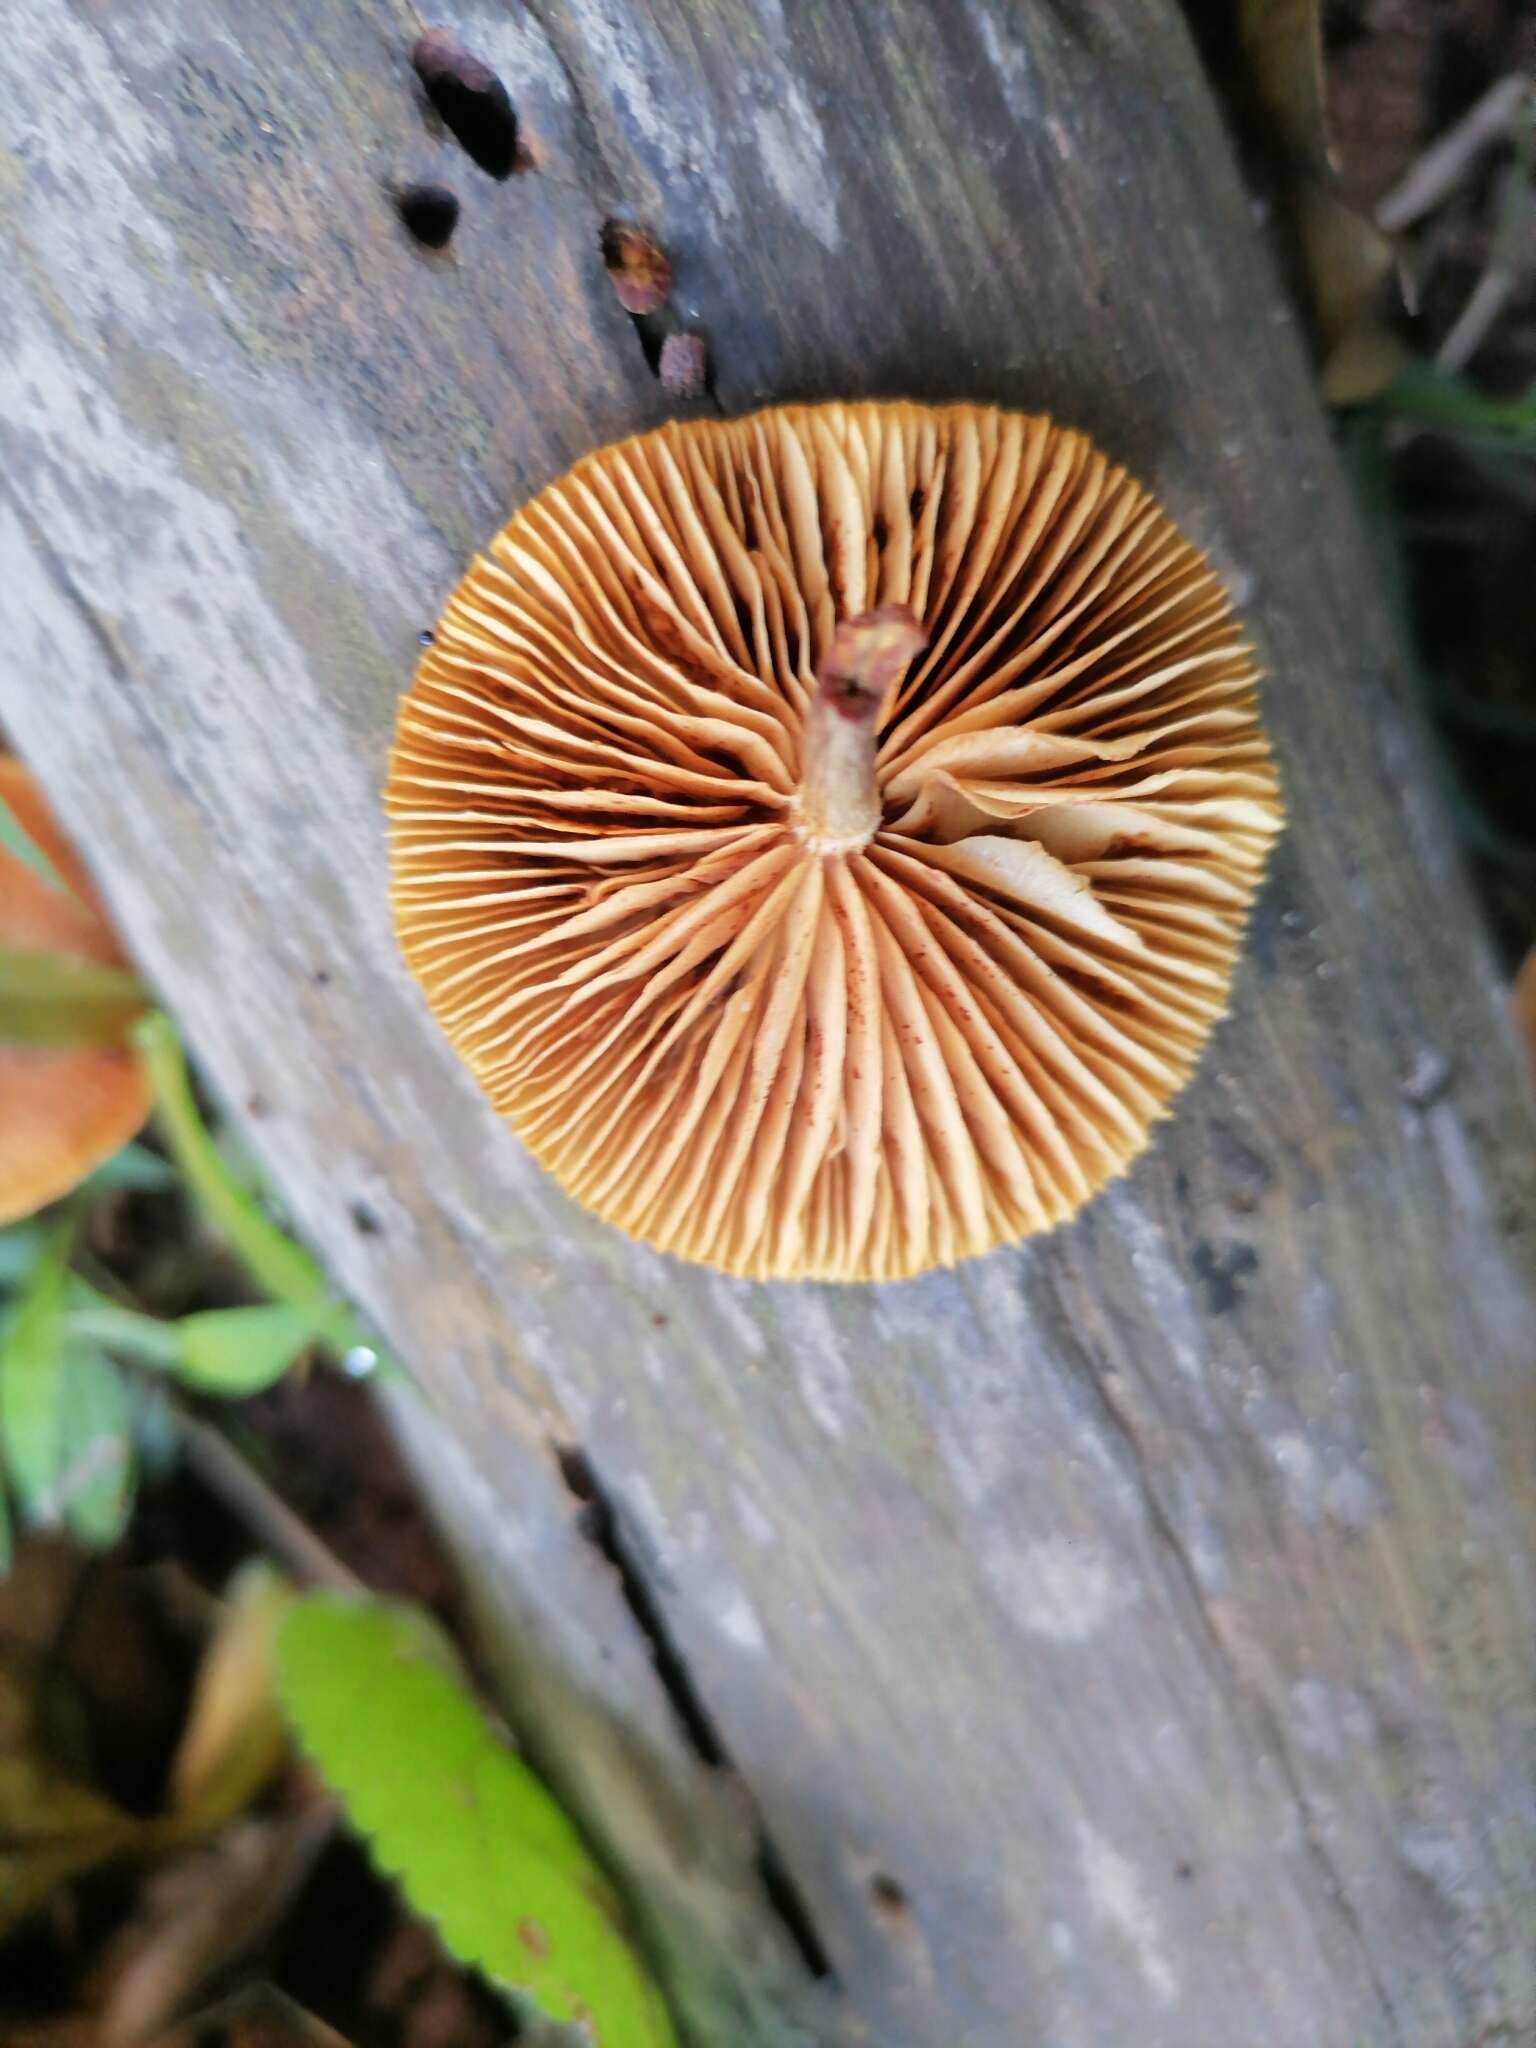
828 835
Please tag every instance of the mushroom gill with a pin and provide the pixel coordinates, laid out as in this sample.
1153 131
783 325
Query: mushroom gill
827 835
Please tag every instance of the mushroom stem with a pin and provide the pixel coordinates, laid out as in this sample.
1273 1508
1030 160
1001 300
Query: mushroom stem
839 803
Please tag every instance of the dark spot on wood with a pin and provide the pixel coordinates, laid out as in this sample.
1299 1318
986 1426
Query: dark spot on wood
1246 1175
1184 1872
576 1472
889 1896
659 1321
474 105
430 213
322 977
651 331
364 1221
1221 1274
257 1106
426 637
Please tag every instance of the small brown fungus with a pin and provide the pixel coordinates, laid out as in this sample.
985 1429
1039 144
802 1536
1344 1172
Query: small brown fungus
683 365
637 266
828 834
471 100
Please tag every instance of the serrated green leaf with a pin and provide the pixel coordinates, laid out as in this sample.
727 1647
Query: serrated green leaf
244 1350
476 1842
58 999
94 1488
32 1381
17 840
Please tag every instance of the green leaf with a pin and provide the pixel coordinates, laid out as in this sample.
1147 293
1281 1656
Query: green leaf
243 1350
32 1381
132 1170
126 1332
478 1845
17 840
56 999
94 1488
21 1245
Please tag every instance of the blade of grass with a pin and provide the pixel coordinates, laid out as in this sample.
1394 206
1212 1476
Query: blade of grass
1453 406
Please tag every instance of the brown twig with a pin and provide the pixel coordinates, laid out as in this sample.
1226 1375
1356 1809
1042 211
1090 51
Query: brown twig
270 1520
1506 259
1434 175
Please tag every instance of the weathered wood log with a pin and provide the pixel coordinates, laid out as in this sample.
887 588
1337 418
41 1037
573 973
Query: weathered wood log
1129 1637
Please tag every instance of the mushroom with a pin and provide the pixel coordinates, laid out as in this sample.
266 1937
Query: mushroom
827 835
63 1109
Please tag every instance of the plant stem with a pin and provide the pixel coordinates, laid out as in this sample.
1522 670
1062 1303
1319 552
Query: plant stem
270 1520
144 1339
280 1266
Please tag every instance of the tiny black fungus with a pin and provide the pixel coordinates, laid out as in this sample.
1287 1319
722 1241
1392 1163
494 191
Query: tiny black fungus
430 212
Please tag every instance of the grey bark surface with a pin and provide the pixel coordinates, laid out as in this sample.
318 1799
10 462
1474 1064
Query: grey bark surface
1128 1637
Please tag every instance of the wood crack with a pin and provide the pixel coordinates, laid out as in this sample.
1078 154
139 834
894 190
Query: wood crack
601 1525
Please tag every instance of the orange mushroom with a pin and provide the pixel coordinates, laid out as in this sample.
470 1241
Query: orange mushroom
63 1109
828 834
